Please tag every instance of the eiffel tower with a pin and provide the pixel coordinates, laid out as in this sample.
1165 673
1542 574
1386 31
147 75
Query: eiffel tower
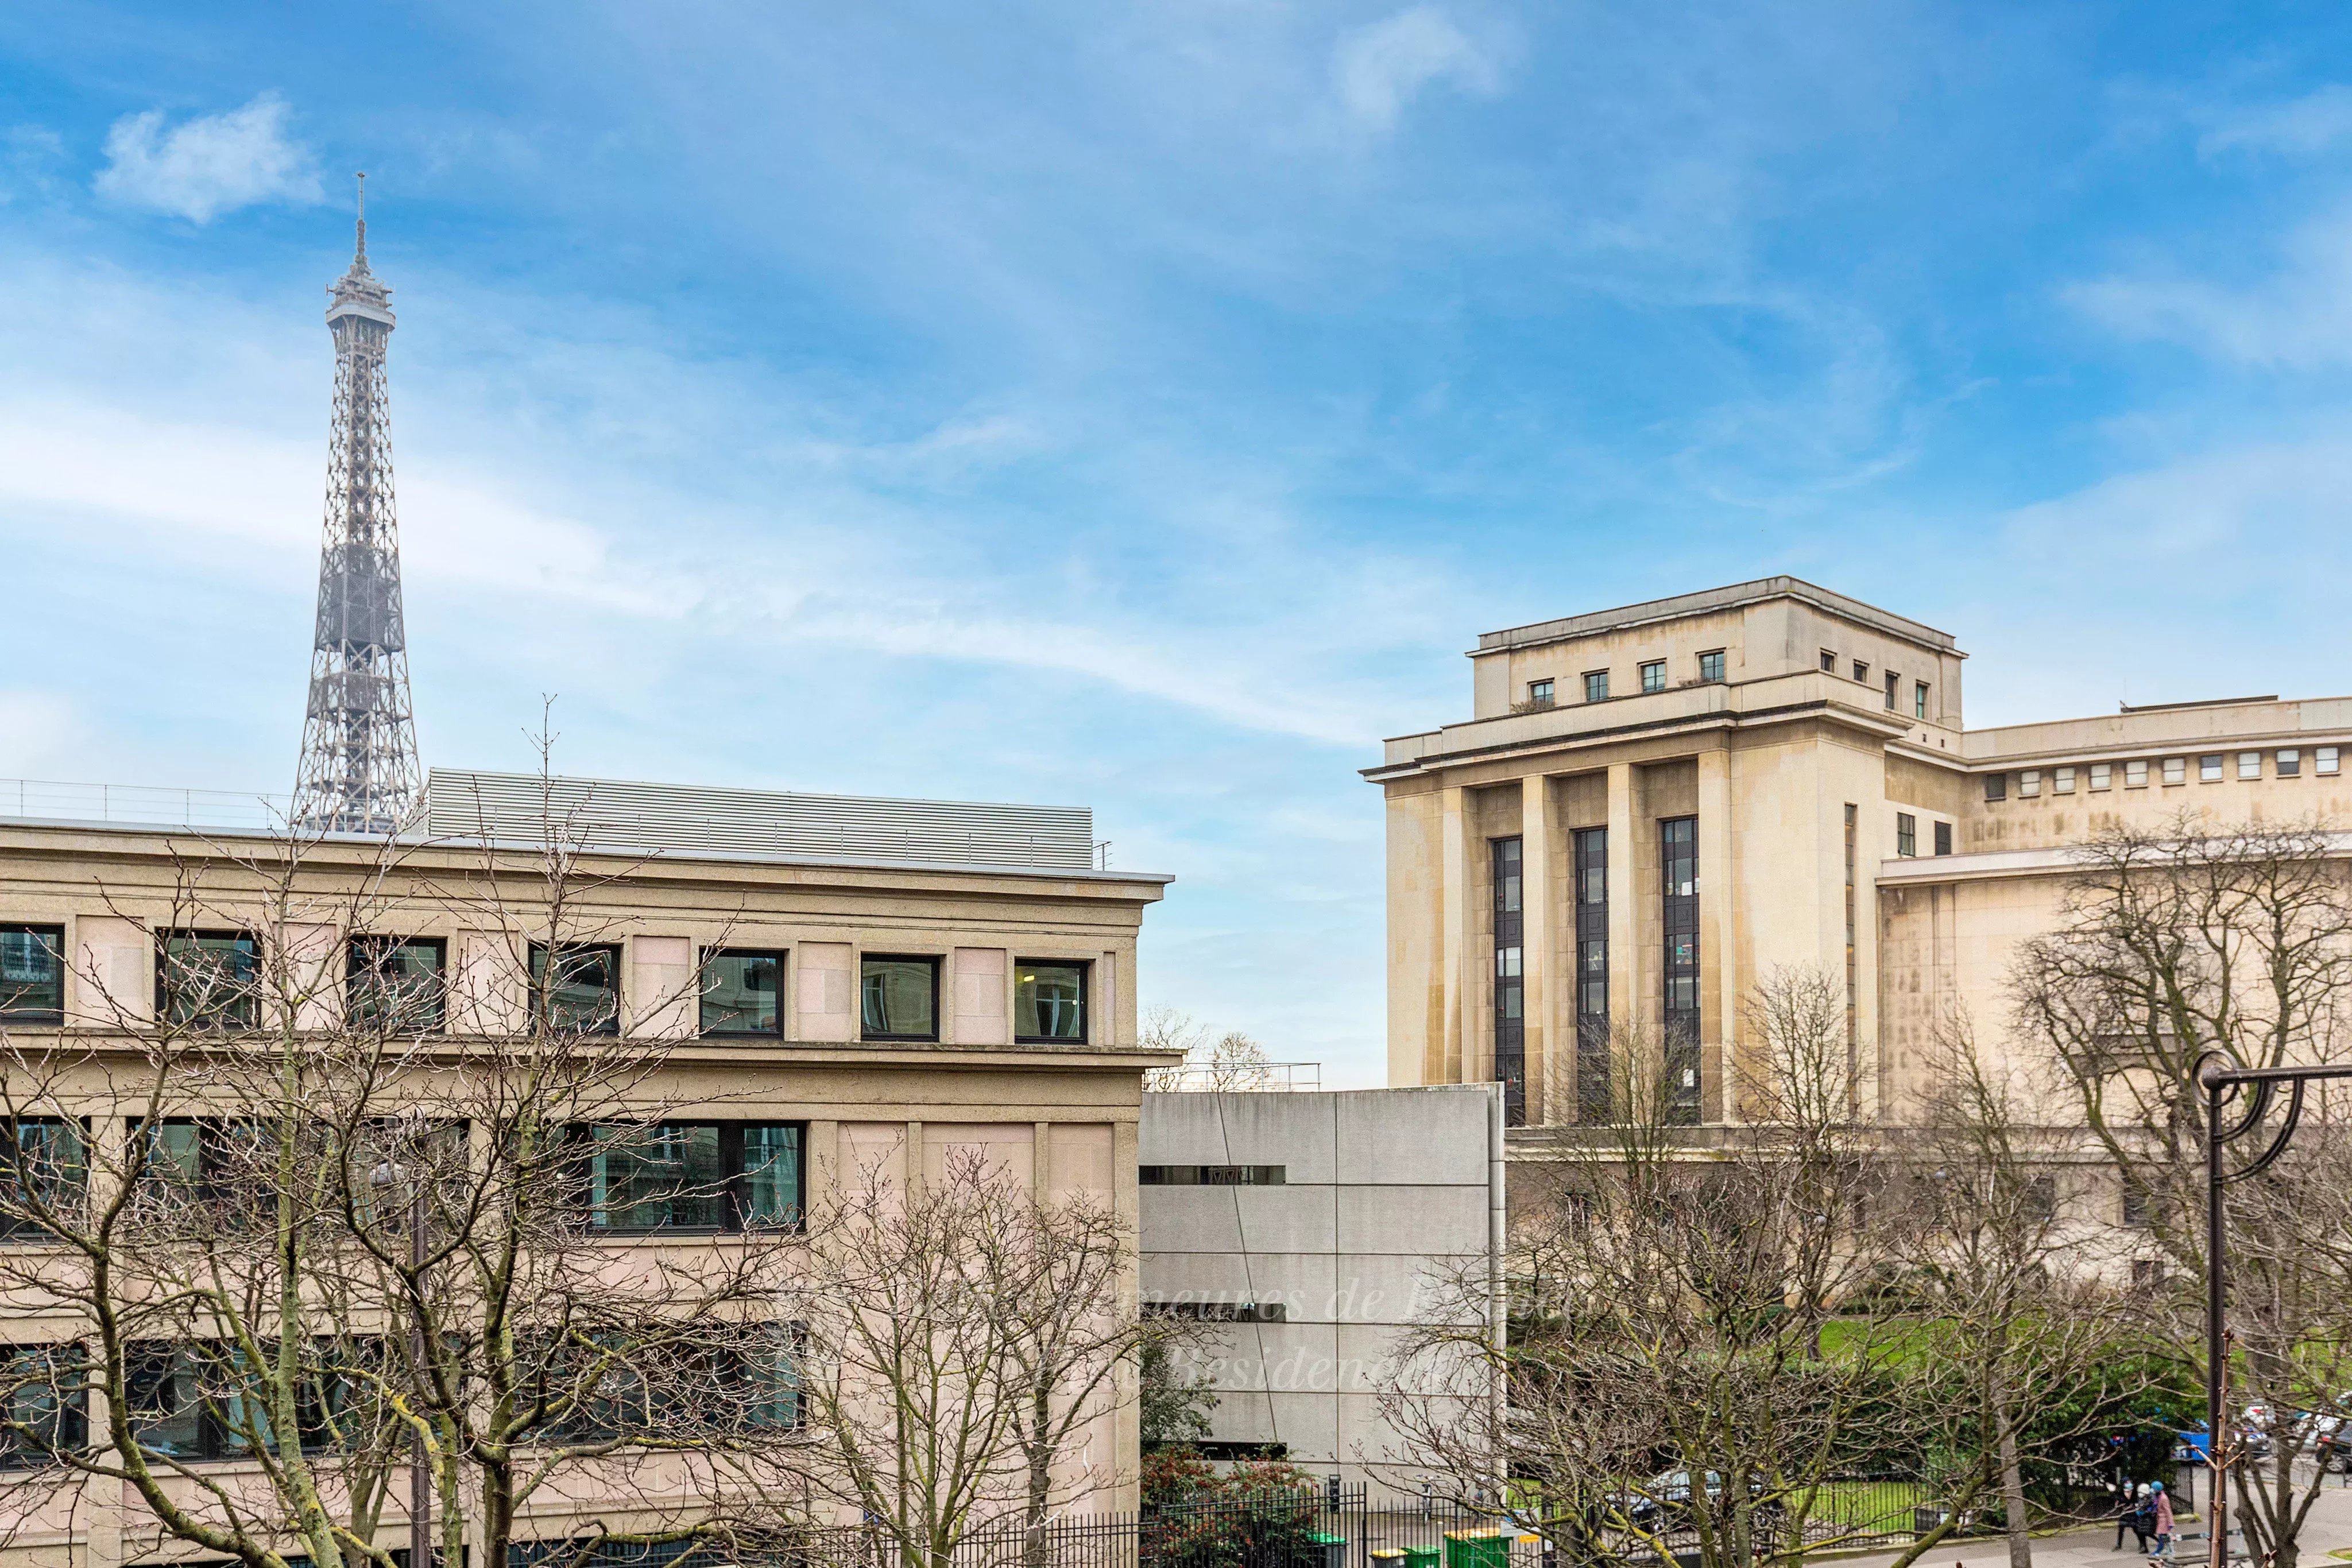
359 770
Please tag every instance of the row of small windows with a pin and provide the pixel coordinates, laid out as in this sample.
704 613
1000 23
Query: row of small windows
1650 673
1889 680
2212 768
211 979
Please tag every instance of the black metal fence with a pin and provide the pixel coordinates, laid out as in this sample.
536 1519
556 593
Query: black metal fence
1337 1527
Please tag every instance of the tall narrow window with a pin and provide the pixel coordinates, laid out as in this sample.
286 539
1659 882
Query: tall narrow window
1853 947
1943 837
1678 862
1907 833
1592 1095
1894 684
1919 699
1510 983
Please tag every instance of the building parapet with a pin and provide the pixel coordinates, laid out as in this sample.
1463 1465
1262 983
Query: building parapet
1708 602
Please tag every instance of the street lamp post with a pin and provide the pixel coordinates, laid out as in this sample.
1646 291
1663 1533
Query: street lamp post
386 1176
2222 1081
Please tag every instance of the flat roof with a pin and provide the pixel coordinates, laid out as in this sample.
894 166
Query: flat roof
1708 601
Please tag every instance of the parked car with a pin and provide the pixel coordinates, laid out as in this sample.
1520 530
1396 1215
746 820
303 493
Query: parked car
1664 1500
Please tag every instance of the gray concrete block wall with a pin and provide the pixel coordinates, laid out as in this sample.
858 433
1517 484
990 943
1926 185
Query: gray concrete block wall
1385 1197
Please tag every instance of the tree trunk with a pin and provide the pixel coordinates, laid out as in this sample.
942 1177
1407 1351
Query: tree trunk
2012 1494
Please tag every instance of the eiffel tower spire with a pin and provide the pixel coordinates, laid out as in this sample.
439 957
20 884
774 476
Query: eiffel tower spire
359 770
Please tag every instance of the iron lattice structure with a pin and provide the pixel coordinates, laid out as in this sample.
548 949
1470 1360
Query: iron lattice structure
359 768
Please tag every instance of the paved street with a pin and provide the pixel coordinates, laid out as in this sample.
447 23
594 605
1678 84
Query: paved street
2329 1526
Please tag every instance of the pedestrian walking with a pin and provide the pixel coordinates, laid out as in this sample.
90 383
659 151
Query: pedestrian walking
2163 1521
2133 1516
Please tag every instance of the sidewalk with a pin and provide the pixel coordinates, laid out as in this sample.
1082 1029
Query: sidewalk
2328 1527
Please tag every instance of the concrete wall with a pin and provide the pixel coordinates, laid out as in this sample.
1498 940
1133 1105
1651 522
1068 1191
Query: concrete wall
1387 1194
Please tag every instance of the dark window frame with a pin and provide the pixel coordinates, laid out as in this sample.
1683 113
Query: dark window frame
1085 968
14 1013
1996 787
1893 689
247 1004
1711 667
702 1001
1919 699
53 1187
730 1193
67 1416
1506 874
932 959
545 956
1212 1176
1651 676
1589 855
217 1440
1595 684
1829 663
1906 835
358 967
1684 1026
1943 837
1539 692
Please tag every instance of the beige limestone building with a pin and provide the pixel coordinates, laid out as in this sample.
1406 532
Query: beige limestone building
1651 808
881 982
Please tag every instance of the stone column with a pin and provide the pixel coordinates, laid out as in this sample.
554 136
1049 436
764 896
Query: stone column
1540 998
1718 971
1629 968
1454 1060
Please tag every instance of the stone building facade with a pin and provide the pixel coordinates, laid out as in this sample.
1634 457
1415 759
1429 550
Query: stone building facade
1652 808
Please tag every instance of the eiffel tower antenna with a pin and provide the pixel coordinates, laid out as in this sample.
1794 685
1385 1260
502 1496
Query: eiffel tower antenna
359 770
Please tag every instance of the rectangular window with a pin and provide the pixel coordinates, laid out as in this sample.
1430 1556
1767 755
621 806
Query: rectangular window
1678 866
2061 781
1996 786
2029 783
689 1175
1829 663
394 984
1907 833
1893 686
580 993
1590 848
1710 666
1596 686
208 979
2176 770
1919 699
901 997
2039 1201
2135 1206
1654 675
197 1400
2102 775
2290 764
2136 775
1861 670
2209 768
32 974
1049 1003
1852 964
1212 1176
1220 1311
42 1404
2250 765
1943 837
1539 692
42 1170
2323 759
1510 981
742 992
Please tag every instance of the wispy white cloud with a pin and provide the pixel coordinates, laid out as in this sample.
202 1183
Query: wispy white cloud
31 157
209 165
1380 68
2298 317
2299 127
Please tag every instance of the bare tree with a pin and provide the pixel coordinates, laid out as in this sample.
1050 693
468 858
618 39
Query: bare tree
967 1339
1666 1383
1220 1063
2171 943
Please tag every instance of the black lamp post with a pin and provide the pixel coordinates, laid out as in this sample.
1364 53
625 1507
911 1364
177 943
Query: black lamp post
2222 1081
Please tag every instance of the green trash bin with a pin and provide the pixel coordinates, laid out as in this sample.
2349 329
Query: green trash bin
1331 1549
1421 1557
1477 1549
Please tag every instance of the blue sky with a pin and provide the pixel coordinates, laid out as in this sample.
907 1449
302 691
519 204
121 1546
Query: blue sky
1143 405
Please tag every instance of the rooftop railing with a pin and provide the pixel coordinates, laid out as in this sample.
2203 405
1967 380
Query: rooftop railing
145 805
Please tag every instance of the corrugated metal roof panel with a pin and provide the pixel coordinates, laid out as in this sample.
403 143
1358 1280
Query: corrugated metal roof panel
607 813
